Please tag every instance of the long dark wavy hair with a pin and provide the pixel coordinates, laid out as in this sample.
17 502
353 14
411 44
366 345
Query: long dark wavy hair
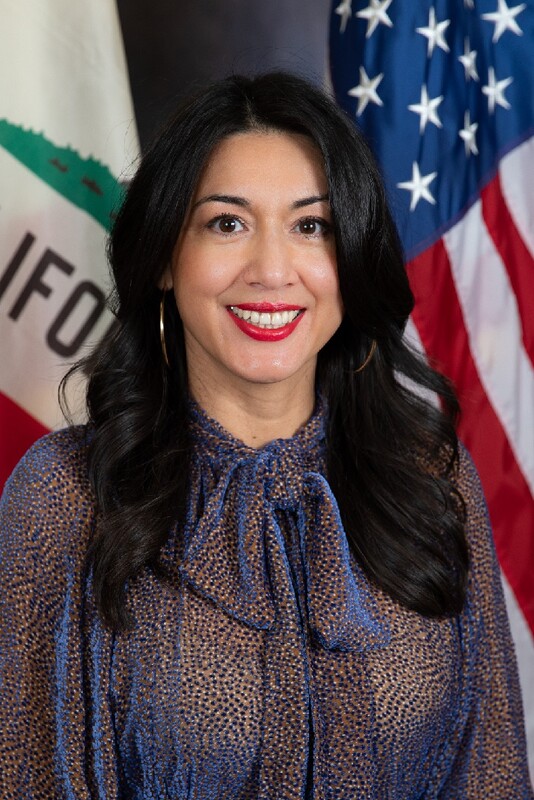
391 454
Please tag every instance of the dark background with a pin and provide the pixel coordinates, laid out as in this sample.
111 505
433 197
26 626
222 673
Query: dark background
172 46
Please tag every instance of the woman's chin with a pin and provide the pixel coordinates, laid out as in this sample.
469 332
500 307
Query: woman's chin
276 373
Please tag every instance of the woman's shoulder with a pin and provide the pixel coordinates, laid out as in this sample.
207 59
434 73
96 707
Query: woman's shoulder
47 517
470 488
48 496
468 477
484 574
460 470
469 498
52 459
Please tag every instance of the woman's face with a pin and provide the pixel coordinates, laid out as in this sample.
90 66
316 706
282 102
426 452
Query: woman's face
254 270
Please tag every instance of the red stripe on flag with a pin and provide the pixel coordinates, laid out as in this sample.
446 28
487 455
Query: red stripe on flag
438 318
18 431
514 254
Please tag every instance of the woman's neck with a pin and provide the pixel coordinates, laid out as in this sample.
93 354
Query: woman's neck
257 413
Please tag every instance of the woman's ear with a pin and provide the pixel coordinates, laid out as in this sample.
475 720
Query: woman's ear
165 281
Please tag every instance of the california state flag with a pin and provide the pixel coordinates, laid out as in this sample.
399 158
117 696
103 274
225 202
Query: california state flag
67 140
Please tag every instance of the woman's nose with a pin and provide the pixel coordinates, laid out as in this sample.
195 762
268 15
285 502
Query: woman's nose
270 261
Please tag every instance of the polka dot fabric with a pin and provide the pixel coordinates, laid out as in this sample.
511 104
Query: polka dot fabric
268 666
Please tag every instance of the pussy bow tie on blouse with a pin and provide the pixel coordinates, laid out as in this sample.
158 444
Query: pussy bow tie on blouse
237 497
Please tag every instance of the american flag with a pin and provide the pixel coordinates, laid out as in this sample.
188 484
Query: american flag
443 90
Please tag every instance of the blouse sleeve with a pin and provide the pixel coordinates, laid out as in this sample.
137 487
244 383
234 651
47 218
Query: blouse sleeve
486 757
46 516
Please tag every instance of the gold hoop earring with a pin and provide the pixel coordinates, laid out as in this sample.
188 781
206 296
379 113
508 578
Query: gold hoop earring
368 358
162 329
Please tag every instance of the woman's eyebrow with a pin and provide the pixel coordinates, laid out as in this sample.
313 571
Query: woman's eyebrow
235 200
223 198
308 201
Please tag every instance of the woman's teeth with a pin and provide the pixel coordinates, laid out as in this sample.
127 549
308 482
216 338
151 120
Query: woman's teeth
265 320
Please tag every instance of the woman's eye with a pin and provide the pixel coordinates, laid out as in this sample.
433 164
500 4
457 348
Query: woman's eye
311 226
226 224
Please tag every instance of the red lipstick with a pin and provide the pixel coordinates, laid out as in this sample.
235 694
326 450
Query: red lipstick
266 334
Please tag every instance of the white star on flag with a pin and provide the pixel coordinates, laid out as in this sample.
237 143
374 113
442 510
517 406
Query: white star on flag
418 186
375 14
504 19
469 4
468 135
344 10
434 32
468 62
495 91
366 91
427 110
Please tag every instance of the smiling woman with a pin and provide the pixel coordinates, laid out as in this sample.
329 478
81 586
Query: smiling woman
255 282
264 568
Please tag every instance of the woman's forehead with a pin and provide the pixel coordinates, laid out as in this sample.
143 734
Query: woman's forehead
262 161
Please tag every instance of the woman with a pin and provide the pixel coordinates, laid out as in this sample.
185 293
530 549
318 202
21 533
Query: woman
264 569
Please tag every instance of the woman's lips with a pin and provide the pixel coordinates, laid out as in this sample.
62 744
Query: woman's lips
266 322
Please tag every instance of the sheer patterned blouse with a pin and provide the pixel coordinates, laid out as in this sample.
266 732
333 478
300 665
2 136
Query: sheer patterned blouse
267 667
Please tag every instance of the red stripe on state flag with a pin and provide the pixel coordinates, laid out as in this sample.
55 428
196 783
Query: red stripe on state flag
18 431
514 254
439 320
